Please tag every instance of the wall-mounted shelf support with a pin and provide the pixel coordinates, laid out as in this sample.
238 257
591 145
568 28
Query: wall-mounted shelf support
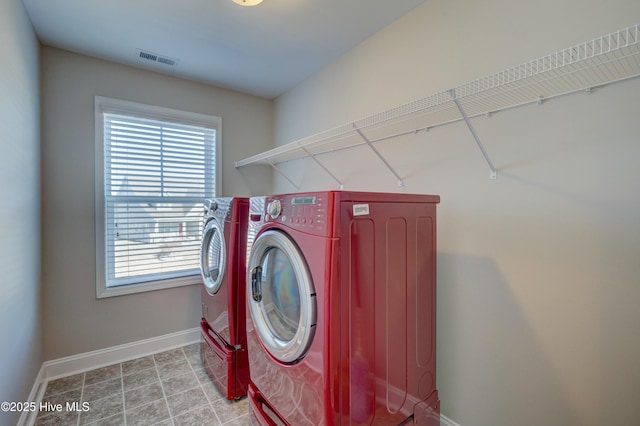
373 148
283 174
313 157
493 174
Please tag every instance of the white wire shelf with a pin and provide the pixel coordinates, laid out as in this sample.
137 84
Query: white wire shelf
604 60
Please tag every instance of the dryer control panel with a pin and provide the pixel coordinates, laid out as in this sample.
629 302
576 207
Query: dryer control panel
309 213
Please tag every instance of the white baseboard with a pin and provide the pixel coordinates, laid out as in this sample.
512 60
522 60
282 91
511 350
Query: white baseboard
383 388
91 360
37 392
87 361
446 421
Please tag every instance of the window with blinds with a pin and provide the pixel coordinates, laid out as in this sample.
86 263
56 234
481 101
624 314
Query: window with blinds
158 167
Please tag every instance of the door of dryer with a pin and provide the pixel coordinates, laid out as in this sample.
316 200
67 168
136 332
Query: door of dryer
281 296
213 256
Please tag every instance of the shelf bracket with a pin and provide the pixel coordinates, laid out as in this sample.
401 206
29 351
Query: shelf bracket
313 157
373 148
281 173
493 173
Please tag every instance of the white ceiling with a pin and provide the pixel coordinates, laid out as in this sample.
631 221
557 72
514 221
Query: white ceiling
263 50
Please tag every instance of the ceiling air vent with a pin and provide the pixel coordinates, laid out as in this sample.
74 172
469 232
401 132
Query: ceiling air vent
154 57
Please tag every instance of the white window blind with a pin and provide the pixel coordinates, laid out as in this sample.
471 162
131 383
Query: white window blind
157 173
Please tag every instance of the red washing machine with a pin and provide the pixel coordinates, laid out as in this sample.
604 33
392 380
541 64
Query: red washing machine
223 267
341 321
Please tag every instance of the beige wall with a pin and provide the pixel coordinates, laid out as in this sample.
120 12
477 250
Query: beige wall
538 271
20 356
74 321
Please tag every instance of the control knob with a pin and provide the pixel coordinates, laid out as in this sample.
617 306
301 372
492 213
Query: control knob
274 208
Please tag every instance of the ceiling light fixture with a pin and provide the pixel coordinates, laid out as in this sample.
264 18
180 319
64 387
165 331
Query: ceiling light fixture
247 2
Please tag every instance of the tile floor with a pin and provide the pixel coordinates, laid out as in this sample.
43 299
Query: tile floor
168 388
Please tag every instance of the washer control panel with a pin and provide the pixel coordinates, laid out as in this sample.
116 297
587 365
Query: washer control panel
219 208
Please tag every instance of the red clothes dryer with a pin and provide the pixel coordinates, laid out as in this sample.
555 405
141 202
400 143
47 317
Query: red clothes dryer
341 309
223 267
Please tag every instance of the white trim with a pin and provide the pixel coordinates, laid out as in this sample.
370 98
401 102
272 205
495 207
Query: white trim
37 392
103 292
446 421
90 360
104 105
87 361
382 388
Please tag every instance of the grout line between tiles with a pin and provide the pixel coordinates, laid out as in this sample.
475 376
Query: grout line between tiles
164 394
202 388
84 379
124 403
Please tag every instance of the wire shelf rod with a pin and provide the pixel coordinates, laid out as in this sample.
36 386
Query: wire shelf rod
598 62
486 111
475 136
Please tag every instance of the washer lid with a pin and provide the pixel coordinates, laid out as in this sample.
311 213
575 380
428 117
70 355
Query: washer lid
213 257
281 296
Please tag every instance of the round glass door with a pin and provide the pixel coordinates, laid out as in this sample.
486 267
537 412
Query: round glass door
281 296
212 256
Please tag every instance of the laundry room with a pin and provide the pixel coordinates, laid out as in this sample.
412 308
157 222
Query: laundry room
512 124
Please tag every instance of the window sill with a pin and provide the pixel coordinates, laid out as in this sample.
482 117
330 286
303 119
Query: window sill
103 292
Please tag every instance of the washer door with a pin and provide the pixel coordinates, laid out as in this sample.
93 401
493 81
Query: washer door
212 256
281 296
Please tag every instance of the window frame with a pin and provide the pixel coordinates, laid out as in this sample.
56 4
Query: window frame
104 105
